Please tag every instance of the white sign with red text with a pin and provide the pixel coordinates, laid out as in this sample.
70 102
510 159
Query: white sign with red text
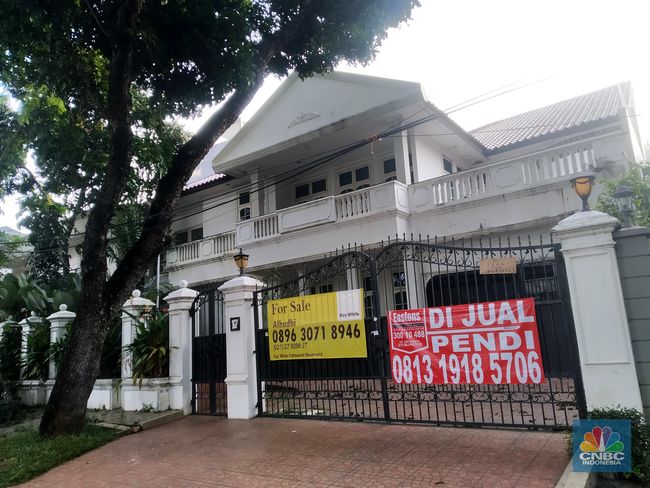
489 343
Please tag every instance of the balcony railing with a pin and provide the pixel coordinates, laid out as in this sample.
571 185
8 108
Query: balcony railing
210 247
466 186
503 177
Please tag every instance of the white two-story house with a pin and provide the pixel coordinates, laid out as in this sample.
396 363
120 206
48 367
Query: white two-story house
347 159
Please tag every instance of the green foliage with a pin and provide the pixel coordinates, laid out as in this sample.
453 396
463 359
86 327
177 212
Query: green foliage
638 179
9 248
24 454
149 351
19 296
640 439
38 352
110 363
10 351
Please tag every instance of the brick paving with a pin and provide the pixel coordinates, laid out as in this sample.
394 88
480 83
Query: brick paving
209 451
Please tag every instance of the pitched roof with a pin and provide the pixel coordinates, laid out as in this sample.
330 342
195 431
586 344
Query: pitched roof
568 114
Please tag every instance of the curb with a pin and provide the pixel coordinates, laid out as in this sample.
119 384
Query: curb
573 479
162 419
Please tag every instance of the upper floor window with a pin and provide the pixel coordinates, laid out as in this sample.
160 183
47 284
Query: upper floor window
244 205
390 170
354 179
314 188
447 165
188 235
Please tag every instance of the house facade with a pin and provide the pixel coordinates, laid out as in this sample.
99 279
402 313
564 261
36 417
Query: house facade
345 159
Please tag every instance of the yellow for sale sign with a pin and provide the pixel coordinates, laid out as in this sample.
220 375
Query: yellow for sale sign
323 326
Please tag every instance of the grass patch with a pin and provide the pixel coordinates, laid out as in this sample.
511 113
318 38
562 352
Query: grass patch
24 454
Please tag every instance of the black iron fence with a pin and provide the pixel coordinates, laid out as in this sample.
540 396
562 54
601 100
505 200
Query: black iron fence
404 274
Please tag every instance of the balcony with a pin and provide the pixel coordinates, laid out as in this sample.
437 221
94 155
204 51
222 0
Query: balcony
392 199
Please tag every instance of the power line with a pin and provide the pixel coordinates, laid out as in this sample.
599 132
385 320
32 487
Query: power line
330 155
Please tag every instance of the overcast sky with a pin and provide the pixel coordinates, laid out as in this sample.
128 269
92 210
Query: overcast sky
463 48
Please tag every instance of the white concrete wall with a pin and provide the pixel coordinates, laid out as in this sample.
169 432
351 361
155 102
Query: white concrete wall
427 158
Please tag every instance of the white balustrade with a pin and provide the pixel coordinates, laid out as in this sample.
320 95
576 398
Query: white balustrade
213 246
353 204
265 226
518 174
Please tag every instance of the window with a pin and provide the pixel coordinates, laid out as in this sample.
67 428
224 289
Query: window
349 181
368 300
180 238
313 188
389 166
447 165
362 174
318 186
186 236
302 191
327 288
244 206
345 179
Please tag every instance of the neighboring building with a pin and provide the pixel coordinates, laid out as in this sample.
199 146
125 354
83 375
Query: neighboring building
297 182
18 261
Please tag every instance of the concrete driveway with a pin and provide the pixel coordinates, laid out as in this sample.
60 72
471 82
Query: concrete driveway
209 451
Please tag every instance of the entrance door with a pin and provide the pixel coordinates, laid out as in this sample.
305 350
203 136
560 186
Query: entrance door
209 353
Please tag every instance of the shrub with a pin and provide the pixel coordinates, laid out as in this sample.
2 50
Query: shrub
150 347
640 439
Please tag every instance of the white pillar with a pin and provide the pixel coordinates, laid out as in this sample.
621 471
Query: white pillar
180 347
241 380
58 321
255 196
606 358
402 166
27 329
130 312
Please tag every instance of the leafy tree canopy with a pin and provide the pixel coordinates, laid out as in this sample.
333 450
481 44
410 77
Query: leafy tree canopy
100 83
638 179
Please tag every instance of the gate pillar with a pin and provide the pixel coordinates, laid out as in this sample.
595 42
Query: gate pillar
606 359
241 380
180 347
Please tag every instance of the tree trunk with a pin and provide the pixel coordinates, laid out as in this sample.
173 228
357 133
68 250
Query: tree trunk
102 298
66 408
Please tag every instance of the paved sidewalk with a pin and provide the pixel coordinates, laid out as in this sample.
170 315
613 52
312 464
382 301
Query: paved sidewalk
208 451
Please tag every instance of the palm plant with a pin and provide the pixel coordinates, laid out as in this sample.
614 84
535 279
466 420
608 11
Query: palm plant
149 351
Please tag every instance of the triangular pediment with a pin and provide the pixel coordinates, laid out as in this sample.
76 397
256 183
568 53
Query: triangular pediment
302 107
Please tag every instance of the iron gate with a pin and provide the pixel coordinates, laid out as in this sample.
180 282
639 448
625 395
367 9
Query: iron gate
427 273
208 353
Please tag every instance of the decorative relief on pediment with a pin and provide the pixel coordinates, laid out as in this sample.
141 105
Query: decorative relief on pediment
302 117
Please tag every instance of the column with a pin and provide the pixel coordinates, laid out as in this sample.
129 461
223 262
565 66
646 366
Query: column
130 313
58 321
256 209
241 380
180 347
606 359
402 166
27 329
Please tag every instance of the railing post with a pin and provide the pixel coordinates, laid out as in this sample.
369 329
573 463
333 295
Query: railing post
58 321
180 347
27 329
241 380
603 335
130 312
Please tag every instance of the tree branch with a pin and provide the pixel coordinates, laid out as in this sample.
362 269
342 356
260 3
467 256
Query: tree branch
93 264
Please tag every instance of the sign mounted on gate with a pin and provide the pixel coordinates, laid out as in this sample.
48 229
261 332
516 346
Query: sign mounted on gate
323 326
490 343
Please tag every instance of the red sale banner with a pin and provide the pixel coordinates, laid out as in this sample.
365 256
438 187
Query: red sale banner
490 343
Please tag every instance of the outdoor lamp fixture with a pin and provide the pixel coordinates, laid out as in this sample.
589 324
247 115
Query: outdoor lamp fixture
241 261
623 196
583 185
